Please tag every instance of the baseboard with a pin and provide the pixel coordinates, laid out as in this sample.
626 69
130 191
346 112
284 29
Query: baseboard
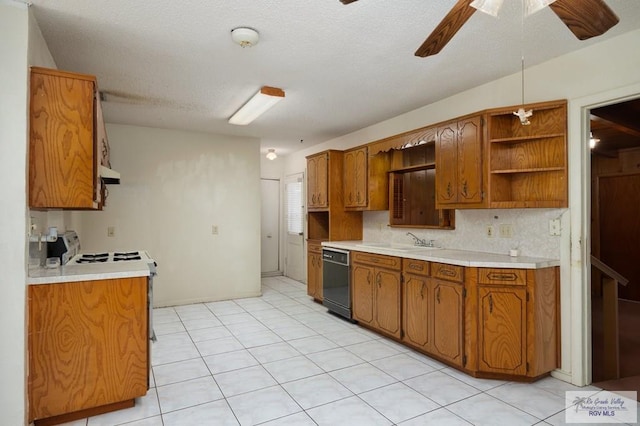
271 274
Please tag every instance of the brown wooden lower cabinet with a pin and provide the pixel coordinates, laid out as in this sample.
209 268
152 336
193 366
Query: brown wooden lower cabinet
488 322
314 270
87 345
376 296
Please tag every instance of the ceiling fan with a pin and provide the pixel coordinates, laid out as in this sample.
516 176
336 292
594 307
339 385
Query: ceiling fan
585 19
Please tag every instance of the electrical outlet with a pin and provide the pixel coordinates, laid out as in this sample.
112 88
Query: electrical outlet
111 231
214 229
554 227
490 231
506 230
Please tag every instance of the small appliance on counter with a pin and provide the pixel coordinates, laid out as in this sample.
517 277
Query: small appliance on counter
65 247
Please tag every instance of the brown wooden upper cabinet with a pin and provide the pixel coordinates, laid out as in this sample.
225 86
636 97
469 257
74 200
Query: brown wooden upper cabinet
63 157
459 164
318 182
366 180
528 163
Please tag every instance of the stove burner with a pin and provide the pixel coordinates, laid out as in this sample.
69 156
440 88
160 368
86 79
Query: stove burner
126 254
117 258
92 259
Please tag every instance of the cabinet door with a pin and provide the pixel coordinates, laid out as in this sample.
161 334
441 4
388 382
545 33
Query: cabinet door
469 180
350 179
447 320
322 180
362 297
387 301
416 311
312 275
361 181
88 345
318 270
502 333
446 160
62 159
312 173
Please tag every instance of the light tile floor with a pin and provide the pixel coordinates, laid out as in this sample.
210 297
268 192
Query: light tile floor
280 359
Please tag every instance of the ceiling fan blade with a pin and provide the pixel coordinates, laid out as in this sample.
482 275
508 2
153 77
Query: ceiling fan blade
347 1
446 29
585 18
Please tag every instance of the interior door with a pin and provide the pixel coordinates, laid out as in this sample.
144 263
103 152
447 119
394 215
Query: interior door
294 222
270 226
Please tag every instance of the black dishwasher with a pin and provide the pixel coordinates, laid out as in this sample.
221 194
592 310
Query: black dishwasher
336 291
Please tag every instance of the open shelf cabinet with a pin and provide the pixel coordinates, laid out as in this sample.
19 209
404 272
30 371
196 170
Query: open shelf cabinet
528 163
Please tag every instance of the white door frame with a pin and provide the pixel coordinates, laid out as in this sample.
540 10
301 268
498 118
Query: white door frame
575 253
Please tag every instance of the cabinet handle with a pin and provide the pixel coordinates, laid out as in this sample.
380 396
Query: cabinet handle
422 291
358 197
368 277
504 276
350 198
415 266
464 188
378 280
438 295
313 198
447 272
319 198
313 261
449 189
490 304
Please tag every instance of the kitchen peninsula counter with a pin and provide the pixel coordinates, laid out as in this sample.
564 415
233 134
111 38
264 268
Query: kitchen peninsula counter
88 272
449 256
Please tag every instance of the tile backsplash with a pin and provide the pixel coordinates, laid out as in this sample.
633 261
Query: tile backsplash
530 234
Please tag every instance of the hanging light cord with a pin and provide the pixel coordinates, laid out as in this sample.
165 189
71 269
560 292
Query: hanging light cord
522 50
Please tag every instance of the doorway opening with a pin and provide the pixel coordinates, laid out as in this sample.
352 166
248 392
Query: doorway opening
270 228
615 243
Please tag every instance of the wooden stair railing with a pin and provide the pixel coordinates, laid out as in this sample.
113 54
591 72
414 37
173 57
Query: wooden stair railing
610 281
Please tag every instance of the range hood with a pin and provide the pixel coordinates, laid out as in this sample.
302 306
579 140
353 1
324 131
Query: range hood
109 176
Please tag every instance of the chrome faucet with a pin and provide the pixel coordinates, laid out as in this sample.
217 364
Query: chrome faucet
420 242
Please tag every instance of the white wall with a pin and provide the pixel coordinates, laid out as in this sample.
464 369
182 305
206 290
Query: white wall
21 45
175 186
574 76
14 27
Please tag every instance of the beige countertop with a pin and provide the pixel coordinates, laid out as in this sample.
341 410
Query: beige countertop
449 256
87 272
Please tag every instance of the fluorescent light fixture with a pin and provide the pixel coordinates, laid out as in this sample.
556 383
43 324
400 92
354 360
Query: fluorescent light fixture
271 154
257 105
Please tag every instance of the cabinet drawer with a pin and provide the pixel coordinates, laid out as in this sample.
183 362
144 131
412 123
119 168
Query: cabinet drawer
390 262
313 247
447 272
417 267
502 276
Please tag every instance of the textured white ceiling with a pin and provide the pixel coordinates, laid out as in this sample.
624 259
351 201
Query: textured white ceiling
172 64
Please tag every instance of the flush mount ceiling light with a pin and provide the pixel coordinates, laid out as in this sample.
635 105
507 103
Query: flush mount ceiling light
492 7
257 105
271 154
245 36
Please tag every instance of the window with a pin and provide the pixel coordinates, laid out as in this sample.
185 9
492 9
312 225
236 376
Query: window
294 207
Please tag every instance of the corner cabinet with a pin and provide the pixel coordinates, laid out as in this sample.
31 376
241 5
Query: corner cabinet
63 155
528 163
88 347
518 317
459 164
